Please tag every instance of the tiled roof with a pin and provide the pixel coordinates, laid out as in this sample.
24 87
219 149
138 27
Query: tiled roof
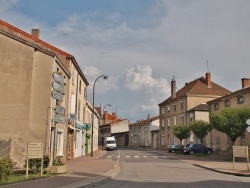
200 107
144 122
199 87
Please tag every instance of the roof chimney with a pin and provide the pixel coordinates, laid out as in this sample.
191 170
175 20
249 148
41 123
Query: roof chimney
35 33
208 79
245 82
173 88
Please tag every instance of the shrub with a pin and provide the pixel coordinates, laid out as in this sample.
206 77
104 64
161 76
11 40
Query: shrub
35 164
6 168
57 161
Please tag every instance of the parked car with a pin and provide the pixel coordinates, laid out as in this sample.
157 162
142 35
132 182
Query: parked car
197 148
173 148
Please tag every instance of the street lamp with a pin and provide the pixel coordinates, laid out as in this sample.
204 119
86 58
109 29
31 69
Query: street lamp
92 130
104 123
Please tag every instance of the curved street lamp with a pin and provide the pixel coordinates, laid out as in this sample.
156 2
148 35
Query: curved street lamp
104 123
92 129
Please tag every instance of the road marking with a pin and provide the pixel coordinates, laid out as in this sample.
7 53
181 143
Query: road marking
137 156
156 157
164 157
117 156
127 156
145 156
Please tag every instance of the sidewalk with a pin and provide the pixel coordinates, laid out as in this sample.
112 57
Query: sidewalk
216 162
82 171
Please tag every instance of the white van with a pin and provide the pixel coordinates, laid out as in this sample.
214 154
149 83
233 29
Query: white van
110 143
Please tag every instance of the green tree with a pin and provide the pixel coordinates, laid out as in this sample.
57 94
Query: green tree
181 132
200 128
231 121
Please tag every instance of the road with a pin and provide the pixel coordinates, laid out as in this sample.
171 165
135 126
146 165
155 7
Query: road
146 169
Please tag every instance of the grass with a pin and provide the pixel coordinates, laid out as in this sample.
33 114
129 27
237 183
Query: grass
20 176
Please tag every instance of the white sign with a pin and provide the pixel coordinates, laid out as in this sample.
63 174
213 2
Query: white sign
59 118
58 87
58 78
60 110
248 122
56 95
248 129
35 150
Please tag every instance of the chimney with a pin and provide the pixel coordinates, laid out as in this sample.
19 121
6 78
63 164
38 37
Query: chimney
148 116
173 88
245 82
35 33
208 79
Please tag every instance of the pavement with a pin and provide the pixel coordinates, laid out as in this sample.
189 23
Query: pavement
88 171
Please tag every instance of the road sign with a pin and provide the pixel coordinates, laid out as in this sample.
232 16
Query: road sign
248 122
60 110
248 129
56 95
58 78
59 118
57 86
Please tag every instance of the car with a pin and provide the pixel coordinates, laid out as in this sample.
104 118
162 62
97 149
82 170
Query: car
173 148
197 148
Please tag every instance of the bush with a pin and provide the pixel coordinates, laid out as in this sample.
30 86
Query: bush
6 168
57 161
35 164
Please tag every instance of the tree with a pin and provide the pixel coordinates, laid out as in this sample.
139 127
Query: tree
181 132
200 128
231 121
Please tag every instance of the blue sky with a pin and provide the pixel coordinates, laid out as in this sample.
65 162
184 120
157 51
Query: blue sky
142 44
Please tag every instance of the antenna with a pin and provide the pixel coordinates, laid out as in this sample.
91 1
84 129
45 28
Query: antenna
207 66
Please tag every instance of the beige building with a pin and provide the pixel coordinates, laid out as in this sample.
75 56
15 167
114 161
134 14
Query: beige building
42 98
142 132
182 107
237 99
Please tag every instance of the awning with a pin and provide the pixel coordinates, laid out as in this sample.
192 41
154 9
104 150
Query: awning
82 126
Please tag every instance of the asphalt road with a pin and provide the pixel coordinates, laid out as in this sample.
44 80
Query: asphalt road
147 169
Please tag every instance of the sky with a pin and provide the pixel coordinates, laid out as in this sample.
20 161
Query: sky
141 45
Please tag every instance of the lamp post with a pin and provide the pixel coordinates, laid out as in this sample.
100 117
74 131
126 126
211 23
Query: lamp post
104 123
92 129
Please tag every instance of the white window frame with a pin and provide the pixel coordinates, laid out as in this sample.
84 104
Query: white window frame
59 144
162 111
162 124
168 108
162 140
168 122
174 120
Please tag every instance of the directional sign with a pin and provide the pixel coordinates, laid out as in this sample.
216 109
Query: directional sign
56 95
248 129
60 110
58 78
57 86
59 118
248 122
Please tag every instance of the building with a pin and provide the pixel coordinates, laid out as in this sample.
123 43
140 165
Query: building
182 106
111 125
42 98
237 99
142 133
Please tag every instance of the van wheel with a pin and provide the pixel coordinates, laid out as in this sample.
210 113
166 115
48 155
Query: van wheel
191 152
209 152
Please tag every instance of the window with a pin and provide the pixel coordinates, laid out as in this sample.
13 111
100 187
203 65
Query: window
162 124
162 111
162 140
133 129
190 118
227 103
59 142
174 105
80 86
138 128
240 99
182 120
182 104
174 118
216 106
169 122
168 108
146 129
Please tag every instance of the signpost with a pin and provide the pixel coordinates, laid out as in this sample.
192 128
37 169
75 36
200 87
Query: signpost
248 123
60 110
58 87
58 78
56 95
34 151
240 151
59 119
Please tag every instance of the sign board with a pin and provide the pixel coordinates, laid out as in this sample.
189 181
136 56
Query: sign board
58 78
59 118
57 86
56 95
34 151
248 129
240 151
60 110
248 122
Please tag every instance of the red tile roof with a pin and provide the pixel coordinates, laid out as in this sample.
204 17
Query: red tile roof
144 122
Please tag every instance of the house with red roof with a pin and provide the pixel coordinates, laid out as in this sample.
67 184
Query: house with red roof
43 98
185 106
